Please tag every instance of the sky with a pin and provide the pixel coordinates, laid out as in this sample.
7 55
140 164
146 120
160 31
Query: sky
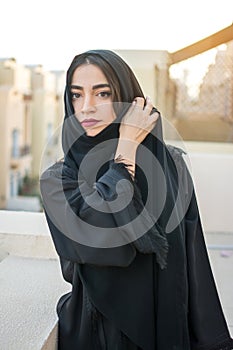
52 32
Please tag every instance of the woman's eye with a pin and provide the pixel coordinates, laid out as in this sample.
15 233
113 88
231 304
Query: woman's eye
75 95
105 94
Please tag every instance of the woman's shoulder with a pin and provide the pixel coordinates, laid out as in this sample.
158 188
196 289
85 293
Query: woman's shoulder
177 154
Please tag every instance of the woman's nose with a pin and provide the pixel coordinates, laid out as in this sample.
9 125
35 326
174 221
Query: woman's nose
88 105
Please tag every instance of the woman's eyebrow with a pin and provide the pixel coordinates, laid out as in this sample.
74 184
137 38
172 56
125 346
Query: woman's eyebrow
77 87
94 87
99 86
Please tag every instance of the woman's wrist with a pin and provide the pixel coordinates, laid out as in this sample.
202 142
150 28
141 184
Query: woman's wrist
126 153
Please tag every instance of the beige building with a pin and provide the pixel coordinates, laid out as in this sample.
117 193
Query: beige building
151 70
15 126
46 116
31 109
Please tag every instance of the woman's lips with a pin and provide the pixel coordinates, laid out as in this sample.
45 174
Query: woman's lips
89 122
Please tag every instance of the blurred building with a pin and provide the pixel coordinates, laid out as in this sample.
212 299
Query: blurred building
31 103
15 125
47 115
151 70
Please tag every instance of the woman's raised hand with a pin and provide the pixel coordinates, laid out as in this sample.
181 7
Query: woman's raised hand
138 121
135 126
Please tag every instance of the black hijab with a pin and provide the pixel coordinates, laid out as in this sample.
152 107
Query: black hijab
156 174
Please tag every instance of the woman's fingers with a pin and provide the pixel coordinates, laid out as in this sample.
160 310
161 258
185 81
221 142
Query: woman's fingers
148 106
139 120
154 116
140 101
144 104
139 113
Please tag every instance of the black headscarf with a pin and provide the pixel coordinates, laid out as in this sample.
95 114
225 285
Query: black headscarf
156 174
170 308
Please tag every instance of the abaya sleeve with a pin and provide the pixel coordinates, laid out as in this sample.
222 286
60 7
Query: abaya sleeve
77 212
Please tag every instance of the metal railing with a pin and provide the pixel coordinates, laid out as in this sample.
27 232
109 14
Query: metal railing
203 78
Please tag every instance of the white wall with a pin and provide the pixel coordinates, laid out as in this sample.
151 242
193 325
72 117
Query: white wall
213 179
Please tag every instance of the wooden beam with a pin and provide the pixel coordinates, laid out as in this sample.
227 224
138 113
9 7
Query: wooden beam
203 45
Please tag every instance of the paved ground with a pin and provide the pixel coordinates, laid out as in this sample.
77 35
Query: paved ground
222 265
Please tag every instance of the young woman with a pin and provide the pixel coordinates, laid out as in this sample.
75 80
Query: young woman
125 223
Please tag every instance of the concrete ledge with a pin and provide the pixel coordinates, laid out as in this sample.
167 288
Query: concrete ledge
29 292
23 222
25 234
24 203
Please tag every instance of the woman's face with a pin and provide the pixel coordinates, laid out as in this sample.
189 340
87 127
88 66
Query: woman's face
92 98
